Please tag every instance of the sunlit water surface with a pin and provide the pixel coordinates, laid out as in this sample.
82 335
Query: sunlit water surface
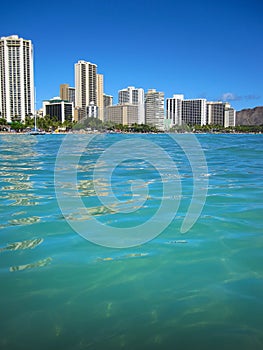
200 290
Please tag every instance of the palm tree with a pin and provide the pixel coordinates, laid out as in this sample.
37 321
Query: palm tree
3 121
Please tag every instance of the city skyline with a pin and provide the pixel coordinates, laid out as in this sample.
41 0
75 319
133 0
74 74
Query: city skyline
133 107
201 49
88 94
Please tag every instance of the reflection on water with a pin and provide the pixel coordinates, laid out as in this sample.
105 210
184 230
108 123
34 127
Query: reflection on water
126 256
40 263
30 244
24 221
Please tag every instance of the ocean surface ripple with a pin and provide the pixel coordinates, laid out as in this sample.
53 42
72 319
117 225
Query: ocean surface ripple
200 290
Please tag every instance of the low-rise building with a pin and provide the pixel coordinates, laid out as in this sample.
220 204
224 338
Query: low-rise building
92 111
174 109
57 108
122 114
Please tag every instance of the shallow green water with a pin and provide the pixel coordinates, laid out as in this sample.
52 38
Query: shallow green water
200 290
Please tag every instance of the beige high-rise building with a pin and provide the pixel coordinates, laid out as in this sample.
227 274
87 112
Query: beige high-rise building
85 85
122 114
67 93
154 108
64 93
16 78
100 93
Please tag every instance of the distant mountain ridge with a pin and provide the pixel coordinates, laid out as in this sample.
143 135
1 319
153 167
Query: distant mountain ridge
250 116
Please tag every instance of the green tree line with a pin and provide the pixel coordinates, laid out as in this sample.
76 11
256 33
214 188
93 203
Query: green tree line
217 129
44 123
48 123
97 124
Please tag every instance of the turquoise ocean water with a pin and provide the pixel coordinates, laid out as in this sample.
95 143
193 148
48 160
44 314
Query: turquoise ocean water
198 290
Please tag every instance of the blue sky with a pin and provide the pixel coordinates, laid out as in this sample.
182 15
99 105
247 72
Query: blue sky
211 49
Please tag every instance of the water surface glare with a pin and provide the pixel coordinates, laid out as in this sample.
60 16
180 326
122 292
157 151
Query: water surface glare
199 290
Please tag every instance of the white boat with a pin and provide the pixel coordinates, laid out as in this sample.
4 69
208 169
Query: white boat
36 132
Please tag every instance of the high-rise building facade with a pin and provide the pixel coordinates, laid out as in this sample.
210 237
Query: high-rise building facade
126 114
199 112
154 108
174 109
134 96
230 117
67 93
16 78
107 100
85 85
63 92
191 112
220 113
194 111
100 99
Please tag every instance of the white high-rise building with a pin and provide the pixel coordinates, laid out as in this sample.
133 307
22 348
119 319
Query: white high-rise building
85 86
133 96
194 111
174 109
92 111
190 112
199 112
154 108
16 78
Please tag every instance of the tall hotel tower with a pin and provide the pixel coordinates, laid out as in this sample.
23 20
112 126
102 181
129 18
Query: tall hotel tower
174 109
67 93
16 78
154 108
85 86
100 98
191 112
133 96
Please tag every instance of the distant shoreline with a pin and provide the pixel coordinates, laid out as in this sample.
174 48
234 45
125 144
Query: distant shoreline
127 133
